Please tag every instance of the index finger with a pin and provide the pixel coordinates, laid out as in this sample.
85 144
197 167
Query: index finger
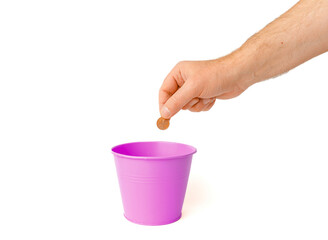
169 87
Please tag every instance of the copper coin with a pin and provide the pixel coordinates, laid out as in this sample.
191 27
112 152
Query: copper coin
163 123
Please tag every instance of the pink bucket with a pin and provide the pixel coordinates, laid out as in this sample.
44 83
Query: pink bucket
153 178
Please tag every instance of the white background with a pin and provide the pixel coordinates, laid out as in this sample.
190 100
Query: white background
78 77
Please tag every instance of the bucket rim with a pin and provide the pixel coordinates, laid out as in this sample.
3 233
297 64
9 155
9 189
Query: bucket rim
193 150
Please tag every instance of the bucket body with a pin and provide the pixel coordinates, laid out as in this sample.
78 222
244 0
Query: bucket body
153 178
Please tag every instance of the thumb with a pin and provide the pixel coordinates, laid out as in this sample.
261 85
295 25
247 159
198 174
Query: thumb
178 100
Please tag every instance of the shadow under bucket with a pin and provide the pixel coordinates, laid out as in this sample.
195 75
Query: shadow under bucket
153 178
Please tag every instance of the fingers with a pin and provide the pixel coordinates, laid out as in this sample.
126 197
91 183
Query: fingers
179 91
169 87
209 106
203 105
191 103
178 100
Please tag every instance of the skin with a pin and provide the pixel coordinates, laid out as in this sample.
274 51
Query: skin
292 39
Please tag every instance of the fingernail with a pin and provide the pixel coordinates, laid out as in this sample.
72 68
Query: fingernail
193 102
165 113
206 101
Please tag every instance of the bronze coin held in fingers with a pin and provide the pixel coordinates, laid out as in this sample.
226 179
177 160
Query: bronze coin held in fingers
163 123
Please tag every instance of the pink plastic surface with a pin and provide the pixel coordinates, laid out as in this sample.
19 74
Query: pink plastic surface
153 178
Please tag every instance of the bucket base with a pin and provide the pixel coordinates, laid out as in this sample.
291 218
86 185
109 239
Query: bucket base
154 224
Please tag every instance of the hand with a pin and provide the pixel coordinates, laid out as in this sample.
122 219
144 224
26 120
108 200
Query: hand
195 85
297 36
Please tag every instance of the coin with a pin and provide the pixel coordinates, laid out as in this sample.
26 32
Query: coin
163 123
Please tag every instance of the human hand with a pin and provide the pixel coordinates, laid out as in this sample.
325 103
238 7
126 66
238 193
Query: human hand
292 39
195 85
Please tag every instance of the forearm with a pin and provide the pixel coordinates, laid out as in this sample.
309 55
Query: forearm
295 37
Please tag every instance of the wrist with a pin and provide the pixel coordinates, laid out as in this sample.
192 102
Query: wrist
246 64
238 68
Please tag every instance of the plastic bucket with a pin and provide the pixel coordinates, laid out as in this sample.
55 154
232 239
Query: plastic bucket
153 178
